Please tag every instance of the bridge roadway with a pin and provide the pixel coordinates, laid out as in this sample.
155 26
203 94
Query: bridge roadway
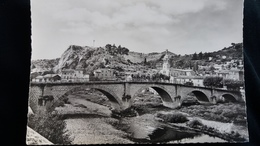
122 93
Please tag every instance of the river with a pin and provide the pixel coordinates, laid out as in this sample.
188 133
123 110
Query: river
144 128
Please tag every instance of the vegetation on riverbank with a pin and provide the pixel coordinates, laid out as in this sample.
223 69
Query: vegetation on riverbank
172 117
51 126
197 125
224 112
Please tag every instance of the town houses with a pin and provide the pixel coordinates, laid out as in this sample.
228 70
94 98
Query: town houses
66 75
104 74
74 75
232 69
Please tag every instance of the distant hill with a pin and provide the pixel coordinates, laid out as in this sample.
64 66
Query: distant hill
111 56
234 51
41 65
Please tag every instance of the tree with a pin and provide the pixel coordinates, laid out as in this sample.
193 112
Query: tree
51 126
125 51
145 62
211 69
213 81
233 84
200 56
196 66
195 56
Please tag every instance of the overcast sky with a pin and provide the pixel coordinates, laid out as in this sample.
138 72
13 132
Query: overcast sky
181 26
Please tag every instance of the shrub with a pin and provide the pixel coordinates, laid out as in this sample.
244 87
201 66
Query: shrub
195 123
213 81
188 83
233 84
173 118
50 126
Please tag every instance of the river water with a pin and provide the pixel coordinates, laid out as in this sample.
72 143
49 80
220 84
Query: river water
166 134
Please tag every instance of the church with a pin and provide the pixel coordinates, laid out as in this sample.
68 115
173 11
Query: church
168 71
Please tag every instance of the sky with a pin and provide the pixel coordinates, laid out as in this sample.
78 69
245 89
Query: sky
145 26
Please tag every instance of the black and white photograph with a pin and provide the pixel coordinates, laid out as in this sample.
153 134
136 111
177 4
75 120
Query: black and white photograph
136 72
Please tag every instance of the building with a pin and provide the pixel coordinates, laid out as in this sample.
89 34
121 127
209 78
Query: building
77 75
47 78
222 73
196 80
104 74
218 66
38 79
52 77
166 65
181 72
129 78
236 74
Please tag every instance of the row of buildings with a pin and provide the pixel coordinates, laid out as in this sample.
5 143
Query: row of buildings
66 75
181 76
75 75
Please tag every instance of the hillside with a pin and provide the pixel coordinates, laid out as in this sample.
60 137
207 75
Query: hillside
111 56
89 59
234 51
43 64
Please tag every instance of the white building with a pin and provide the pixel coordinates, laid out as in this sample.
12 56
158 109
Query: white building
104 74
196 80
77 75
47 78
166 66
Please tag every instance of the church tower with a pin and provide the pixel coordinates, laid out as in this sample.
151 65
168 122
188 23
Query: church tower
166 65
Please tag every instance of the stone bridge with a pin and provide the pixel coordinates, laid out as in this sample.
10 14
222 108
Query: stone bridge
122 94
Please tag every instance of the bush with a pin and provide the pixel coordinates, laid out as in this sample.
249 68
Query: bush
195 123
233 84
188 83
213 81
50 126
173 118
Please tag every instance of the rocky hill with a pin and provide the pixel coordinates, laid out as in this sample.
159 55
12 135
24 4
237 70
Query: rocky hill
89 58
111 56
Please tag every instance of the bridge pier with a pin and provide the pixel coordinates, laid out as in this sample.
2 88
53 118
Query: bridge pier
173 104
213 99
127 102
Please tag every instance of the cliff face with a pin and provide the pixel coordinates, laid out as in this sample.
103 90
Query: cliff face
89 59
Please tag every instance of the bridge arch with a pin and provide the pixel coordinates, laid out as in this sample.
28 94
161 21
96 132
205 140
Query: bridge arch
163 93
199 95
116 102
227 97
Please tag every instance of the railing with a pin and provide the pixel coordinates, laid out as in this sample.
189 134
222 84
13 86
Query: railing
78 80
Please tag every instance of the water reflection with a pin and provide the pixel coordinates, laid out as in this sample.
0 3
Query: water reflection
171 135
166 134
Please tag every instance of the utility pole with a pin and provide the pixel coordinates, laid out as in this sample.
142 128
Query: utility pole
93 43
